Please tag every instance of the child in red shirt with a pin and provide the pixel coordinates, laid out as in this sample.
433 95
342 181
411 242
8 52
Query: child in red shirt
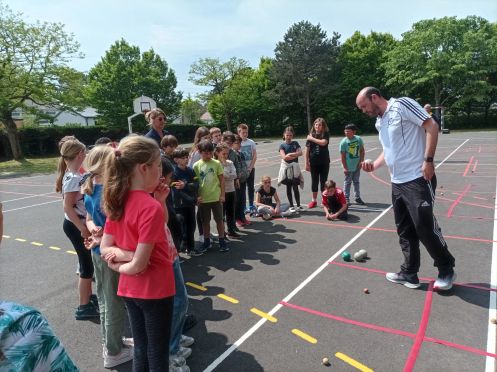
334 203
135 245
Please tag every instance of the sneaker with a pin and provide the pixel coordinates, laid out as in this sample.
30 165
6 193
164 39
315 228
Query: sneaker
312 204
359 201
299 208
176 361
247 210
173 368
223 247
183 352
128 341
186 341
253 208
236 229
87 311
214 235
444 282
266 216
292 210
124 356
196 252
201 238
94 301
233 234
401 278
206 244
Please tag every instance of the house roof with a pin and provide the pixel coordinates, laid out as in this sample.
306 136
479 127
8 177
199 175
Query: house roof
206 116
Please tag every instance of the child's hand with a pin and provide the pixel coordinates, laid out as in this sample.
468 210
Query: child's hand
221 199
179 185
90 243
85 233
199 200
237 183
97 231
310 137
307 167
114 265
109 257
162 191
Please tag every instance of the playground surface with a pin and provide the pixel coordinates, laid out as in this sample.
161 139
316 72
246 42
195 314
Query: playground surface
283 299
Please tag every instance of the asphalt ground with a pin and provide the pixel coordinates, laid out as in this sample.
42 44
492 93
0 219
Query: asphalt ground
283 299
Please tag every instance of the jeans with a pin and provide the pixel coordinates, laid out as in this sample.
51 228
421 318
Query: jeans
352 177
151 328
179 309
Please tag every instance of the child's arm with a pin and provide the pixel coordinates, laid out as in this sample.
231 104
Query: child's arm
334 216
343 156
362 153
221 182
286 157
320 142
109 251
95 230
139 262
70 199
254 158
278 203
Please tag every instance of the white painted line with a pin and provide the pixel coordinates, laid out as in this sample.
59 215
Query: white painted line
448 156
33 205
492 312
32 196
275 309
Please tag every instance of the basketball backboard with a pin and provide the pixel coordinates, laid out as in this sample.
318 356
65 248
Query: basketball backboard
143 104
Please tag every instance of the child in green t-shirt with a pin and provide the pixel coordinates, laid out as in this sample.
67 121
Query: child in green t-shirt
352 154
211 193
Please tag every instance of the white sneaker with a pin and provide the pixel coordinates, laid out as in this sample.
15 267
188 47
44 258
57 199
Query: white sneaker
444 282
184 368
299 208
176 361
186 341
201 238
128 341
184 352
124 356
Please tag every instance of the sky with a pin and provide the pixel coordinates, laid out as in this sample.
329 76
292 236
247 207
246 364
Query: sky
183 31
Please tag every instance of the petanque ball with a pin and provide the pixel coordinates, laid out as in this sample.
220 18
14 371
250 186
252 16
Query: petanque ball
346 256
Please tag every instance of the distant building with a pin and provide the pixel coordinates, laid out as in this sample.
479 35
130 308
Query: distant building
206 117
53 115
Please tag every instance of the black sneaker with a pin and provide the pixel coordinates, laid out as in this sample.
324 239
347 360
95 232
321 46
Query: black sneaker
233 234
87 311
410 281
444 282
94 301
223 247
359 201
196 252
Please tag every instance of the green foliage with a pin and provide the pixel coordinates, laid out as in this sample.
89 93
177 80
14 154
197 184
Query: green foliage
124 74
191 110
305 68
33 68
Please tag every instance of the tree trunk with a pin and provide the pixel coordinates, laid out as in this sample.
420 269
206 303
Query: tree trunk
227 116
308 109
13 136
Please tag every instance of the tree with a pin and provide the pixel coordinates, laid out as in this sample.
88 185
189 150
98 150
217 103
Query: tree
304 68
453 58
33 68
191 110
124 74
212 73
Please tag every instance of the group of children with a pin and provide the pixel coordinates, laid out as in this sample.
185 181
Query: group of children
129 209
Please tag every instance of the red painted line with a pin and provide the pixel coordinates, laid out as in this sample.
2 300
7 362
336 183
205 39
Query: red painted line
418 341
355 227
379 179
468 166
362 268
474 167
387 330
459 198
466 217
467 203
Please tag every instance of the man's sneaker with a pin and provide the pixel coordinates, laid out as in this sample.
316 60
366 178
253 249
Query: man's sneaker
444 282
223 247
124 356
312 204
359 201
183 352
186 341
410 282
176 361
87 311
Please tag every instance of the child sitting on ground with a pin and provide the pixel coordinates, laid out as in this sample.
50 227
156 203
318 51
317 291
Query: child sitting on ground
334 203
264 201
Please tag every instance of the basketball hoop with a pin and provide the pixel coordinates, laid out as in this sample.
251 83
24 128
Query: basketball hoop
141 106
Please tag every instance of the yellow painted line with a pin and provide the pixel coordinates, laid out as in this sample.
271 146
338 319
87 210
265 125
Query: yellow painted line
54 248
304 335
264 315
353 362
228 298
71 252
196 286
37 244
20 240
6 236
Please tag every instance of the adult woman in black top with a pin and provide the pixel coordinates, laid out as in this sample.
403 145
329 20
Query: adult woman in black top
317 157
156 118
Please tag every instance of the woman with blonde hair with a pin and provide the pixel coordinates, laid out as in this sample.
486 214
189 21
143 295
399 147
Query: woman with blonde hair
317 157
156 119
69 181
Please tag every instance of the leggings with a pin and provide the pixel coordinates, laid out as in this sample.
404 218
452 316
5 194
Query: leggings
151 328
295 188
319 175
84 255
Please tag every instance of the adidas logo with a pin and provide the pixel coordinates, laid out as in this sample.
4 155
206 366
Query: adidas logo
425 204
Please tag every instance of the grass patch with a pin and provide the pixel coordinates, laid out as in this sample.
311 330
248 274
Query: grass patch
13 168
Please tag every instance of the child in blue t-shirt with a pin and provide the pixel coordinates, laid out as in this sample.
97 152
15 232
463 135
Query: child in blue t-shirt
290 171
352 154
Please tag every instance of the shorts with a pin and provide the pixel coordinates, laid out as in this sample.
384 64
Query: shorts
205 210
